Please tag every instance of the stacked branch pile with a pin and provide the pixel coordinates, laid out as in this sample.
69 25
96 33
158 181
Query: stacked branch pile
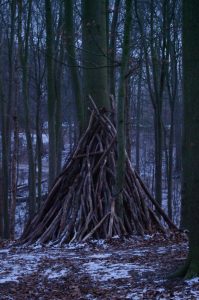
81 203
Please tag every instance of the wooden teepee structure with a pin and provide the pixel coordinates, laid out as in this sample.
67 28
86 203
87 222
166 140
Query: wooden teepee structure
81 203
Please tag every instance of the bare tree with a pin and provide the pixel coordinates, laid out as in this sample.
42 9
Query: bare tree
23 41
72 60
190 208
156 65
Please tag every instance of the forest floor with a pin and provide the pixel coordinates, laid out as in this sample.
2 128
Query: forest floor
121 268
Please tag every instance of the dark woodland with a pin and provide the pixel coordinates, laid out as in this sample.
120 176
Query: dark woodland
99 121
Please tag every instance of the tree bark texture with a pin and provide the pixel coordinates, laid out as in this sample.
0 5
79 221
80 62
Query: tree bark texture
51 93
94 55
190 199
14 177
138 115
112 47
24 53
121 117
72 61
4 170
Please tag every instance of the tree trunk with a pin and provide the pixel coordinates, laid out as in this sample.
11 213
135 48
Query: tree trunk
58 72
156 82
30 151
128 114
190 207
121 131
72 61
39 147
11 58
170 167
14 176
190 161
172 87
58 117
7 107
178 135
158 157
24 52
138 117
112 47
1 206
39 73
4 174
51 93
94 55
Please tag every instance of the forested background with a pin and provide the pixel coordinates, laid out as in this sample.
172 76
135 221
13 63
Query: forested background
43 62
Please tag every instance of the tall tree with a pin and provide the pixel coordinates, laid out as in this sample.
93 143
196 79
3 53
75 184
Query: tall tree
121 118
112 46
4 168
23 40
172 86
156 57
72 61
13 201
4 216
172 89
94 54
39 76
138 115
7 107
190 161
1 208
58 72
51 92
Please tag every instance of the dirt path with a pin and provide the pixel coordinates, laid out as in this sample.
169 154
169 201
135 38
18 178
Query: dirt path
122 268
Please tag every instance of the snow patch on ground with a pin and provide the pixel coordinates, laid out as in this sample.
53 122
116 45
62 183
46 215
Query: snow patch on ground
125 269
55 272
101 243
187 294
4 251
103 271
99 256
192 281
161 250
7 276
14 266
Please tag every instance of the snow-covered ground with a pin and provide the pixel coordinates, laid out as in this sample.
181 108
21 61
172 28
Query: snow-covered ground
132 268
